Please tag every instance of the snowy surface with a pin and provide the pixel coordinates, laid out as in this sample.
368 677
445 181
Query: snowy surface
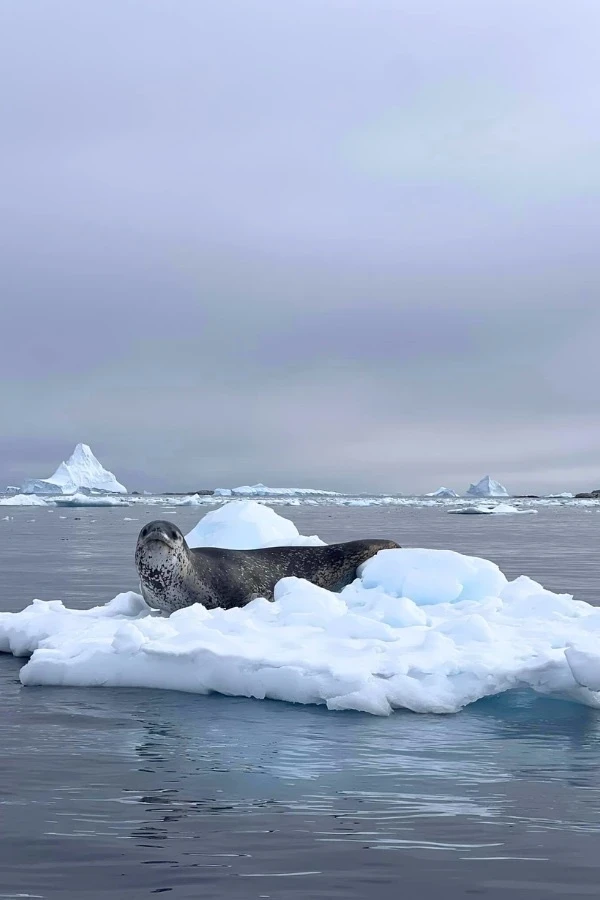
490 509
81 470
443 492
23 500
426 630
487 487
261 490
246 525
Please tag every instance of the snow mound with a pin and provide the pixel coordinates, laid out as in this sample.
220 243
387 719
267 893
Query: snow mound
443 492
487 487
261 490
81 470
246 525
498 509
23 500
88 500
425 630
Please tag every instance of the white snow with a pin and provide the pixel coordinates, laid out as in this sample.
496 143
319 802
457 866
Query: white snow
23 500
246 525
443 493
487 487
261 490
425 630
81 470
490 509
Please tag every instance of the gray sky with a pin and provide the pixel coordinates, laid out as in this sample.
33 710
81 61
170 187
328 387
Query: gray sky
348 245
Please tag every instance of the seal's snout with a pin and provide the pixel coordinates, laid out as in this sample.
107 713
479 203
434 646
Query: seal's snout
160 532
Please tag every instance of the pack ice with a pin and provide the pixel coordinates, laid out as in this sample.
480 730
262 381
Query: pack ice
425 630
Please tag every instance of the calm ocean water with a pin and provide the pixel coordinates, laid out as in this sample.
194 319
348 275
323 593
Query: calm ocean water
132 793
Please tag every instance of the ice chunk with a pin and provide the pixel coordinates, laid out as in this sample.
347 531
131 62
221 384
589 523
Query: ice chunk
490 509
22 500
432 576
81 470
487 487
80 499
245 525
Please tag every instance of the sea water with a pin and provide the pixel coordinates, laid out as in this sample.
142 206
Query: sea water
126 792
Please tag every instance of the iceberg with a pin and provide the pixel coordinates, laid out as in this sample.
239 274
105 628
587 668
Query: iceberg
261 490
442 493
487 487
81 470
424 630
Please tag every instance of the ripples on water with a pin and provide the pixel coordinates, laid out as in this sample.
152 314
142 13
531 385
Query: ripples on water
137 792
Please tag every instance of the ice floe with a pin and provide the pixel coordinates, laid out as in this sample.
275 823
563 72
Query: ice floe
490 509
22 500
81 499
425 630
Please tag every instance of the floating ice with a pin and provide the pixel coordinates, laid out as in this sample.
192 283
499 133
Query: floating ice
483 509
88 500
22 500
245 525
261 490
425 630
194 500
81 470
487 487
443 493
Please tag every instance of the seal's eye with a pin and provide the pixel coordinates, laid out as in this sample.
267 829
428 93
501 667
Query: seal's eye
144 532
172 534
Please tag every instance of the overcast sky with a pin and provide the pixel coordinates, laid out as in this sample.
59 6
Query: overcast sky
350 245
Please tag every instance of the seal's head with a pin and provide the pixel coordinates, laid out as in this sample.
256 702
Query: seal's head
161 558
159 533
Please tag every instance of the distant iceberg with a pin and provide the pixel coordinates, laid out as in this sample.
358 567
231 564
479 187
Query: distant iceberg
81 470
261 490
442 493
487 487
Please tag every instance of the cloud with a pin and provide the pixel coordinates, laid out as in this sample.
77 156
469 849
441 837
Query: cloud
337 244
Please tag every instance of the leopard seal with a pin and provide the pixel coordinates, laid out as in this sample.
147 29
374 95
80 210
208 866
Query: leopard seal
173 575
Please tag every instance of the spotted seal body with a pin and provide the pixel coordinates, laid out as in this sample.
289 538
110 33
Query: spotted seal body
173 576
